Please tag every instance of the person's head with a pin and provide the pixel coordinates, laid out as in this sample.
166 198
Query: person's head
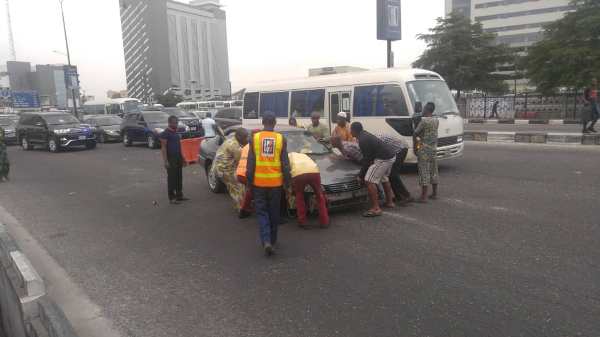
356 129
315 118
336 142
241 135
293 121
342 119
269 121
173 122
429 109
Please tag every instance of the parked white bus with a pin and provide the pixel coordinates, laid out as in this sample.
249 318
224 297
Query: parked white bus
384 101
112 106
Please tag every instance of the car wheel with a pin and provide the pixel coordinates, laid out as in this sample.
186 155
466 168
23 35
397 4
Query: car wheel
53 145
25 144
215 185
101 138
152 143
126 139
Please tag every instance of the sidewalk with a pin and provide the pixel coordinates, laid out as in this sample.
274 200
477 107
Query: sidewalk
571 138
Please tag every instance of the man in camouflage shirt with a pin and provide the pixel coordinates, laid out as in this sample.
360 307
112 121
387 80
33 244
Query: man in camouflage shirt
226 162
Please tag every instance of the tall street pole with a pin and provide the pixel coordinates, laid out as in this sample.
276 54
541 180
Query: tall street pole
69 59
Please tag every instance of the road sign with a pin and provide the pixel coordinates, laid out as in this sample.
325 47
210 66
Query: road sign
71 77
25 99
389 20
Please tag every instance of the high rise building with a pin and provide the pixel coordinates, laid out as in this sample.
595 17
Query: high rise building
172 46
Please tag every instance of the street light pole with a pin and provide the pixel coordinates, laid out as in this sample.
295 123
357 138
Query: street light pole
68 58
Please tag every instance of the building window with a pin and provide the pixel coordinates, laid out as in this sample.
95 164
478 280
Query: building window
525 13
305 102
502 3
379 100
276 102
520 38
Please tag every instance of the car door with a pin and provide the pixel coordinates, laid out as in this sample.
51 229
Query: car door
128 125
140 128
38 133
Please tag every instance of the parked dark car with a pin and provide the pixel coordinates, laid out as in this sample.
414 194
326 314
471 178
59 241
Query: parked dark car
228 117
338 175
9 124
107 128
194 127
53 130
146 127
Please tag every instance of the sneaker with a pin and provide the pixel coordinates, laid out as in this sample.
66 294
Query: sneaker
593 130
269 251
174 202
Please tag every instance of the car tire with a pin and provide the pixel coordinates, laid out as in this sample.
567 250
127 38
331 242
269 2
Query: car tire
215 185
53 145
126 139
25 144
101 138
152 143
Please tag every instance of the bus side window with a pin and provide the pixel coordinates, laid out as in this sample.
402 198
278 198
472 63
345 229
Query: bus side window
251 105
379 100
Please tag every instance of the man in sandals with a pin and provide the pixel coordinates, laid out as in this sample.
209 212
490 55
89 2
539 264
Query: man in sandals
378 160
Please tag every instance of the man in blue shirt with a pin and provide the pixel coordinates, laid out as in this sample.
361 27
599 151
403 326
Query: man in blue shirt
170 149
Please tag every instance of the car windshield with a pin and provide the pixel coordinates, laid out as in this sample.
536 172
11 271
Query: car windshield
131 106
7 121
433 91
106 121
61 119
156 117
304 142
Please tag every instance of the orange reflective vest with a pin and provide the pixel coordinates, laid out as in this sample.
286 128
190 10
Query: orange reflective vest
243 164
267 150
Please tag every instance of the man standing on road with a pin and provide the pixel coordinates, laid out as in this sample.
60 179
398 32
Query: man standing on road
268 170
591 99
209 126
318 129
225 164
173 160
378 160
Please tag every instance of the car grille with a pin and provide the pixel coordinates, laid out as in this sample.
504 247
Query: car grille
447 141
342 187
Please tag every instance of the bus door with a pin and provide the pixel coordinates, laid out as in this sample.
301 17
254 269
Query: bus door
339 101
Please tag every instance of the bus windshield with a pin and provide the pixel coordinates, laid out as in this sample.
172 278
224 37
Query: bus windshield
131 106
433 91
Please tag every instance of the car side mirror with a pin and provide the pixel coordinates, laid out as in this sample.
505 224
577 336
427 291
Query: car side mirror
418 108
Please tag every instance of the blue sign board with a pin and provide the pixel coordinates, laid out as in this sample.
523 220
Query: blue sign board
25 99
71 77
389 20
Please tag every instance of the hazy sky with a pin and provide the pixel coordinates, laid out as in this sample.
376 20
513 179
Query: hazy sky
268 39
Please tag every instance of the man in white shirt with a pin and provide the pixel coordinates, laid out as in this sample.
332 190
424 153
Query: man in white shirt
209 125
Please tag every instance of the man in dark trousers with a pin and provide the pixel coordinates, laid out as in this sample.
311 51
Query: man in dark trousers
268 170
378 160
170 149
590 96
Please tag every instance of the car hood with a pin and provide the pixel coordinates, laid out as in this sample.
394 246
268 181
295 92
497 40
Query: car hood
335 169
72 127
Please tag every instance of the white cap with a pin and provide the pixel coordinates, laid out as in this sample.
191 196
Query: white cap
342 114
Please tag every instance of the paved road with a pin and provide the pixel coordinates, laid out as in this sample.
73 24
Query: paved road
510 250
524 127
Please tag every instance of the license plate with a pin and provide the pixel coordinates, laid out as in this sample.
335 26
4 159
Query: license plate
341 196
82 137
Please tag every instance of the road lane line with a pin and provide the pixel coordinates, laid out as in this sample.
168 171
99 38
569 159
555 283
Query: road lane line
85 316
413 221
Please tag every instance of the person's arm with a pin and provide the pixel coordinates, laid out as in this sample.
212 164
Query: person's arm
419 129
163 149
285 164
251 165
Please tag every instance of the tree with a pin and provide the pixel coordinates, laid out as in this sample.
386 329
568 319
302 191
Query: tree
464 55
169 100
569 54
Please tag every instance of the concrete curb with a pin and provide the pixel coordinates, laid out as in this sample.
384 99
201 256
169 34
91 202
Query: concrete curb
533 137
25 309
522 121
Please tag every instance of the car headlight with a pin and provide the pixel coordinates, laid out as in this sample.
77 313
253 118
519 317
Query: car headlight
62 131
159 130
459 139
112 132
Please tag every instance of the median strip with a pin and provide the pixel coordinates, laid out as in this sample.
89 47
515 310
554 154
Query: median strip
533 137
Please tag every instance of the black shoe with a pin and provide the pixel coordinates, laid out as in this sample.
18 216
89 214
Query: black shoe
593 130
174 202
243 214
269 251
183 199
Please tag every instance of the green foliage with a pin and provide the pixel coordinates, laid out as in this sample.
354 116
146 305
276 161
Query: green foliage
169 100
569 54
464 55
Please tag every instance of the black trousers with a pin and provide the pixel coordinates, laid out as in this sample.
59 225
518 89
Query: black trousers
175 178
397 185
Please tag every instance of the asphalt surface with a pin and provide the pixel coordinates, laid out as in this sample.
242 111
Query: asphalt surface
511 249
569 128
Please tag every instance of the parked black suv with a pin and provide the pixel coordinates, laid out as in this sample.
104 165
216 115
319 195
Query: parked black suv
53 130
146 126
107 128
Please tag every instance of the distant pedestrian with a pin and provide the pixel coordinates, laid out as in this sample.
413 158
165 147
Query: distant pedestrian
378 160
4 163
591 101
319 130
342 130
495 110
173 160
267 172
209 126
225 166
426 135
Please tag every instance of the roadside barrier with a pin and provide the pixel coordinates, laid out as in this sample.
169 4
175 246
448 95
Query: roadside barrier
522 121
25 308
533 137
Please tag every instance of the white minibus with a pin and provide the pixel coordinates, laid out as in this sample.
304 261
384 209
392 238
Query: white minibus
111 106
384 101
